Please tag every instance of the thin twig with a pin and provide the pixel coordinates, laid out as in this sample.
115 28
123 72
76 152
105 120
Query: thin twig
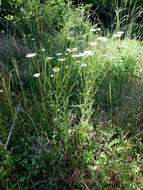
12 127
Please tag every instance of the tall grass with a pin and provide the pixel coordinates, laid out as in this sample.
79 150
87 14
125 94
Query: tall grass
129 18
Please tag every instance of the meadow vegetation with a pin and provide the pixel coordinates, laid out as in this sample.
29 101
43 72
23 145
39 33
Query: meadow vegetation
71 97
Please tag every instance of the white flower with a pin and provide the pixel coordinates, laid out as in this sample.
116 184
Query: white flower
98 29
51 75
58 54
102 39
1 90
49 58
43 49
95 30
84 54
92 30
68 50
30 55
118 34
62 59
83 65
71 50
56 69
36 75
78 55
88 53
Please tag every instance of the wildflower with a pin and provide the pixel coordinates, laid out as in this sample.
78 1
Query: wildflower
56 69
88 53
30 55
118 34
62 59
101 39
1 90
43 50
83 65
98 29
95 30
94 168
84 54
92 30
49 58
51 75
36 75
71 50
78 55
68 50
58 54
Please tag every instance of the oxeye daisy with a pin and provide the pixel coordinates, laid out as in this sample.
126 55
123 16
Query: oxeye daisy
71 50
83 65
78 55
49 58
118 35
36 75
43 49
120 32
56 69
51 75
98 29
62 59
58 54
93 30
30 55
